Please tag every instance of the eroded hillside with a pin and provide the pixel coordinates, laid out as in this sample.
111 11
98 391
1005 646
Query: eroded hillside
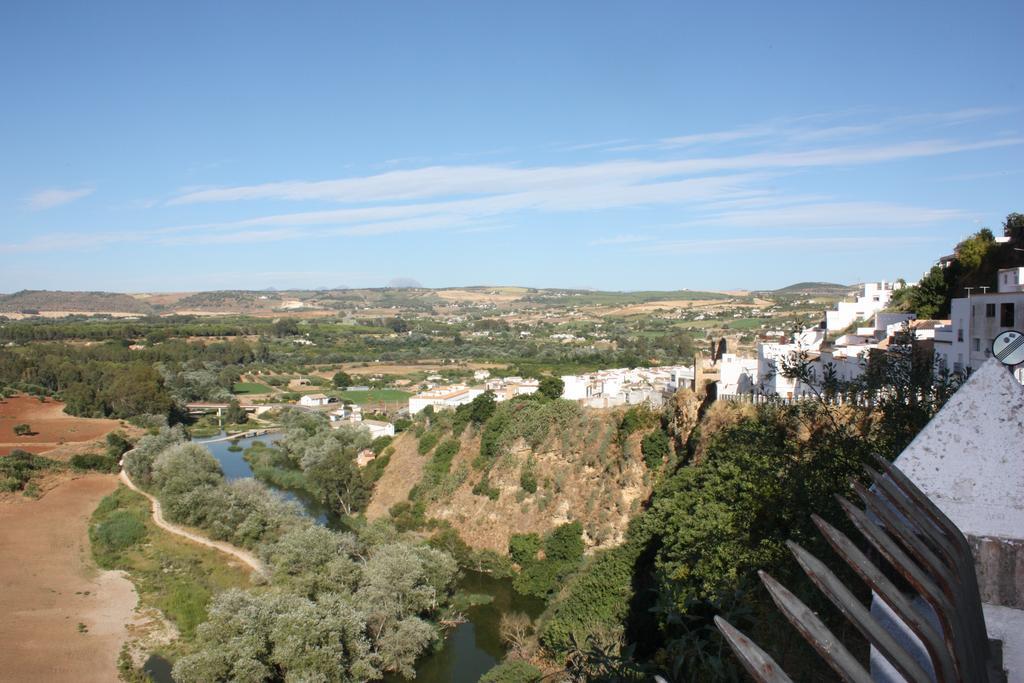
528 467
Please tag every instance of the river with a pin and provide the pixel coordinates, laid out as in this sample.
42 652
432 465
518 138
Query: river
471 648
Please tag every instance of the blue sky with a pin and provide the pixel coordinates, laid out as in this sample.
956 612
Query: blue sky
643 145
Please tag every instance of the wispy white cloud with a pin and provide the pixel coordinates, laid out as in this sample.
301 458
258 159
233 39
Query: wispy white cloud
817 127
53 197
613 144
69 241
789 242
738 183
479 180
833 215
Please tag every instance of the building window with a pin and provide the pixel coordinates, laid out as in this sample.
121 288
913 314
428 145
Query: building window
1006 315
960 335
977 344
990 310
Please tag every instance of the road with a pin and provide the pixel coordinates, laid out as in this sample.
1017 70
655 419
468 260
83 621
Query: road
158 518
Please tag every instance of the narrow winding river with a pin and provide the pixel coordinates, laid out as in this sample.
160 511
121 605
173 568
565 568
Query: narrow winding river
469 650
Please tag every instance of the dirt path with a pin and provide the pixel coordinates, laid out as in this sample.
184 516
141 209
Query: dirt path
49 586
158 518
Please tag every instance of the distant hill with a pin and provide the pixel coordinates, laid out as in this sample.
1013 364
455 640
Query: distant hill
814 288
78 302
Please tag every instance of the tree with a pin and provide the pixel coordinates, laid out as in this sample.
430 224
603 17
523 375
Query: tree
342 380
513 671
337 482
1013 227
398 325
235 414
117 444
655 448
314 560
552 387
482 407
22 429
516 630
523 548
564 543
286 327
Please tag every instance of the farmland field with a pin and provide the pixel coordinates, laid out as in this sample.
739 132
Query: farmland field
50 425
251 388
374 395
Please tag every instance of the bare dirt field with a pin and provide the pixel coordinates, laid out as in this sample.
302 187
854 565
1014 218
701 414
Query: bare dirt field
499 295
67 314
52 428
651 306
404 368
61 618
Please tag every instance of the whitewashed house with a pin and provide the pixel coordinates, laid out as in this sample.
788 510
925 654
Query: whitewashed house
314 400
443 398
875 298
505 388
976 320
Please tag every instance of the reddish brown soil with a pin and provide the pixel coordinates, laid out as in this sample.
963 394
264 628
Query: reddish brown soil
49 585
51 426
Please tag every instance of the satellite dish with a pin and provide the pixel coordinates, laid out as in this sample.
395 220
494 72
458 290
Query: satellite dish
1008 347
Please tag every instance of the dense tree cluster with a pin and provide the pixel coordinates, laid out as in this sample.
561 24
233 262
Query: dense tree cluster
976 263
326 457
562 552
342 609
711 525
341 606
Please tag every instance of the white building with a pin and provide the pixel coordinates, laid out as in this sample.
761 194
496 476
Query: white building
625 386
313 400
976 320
379 428
481 375
875 298
352 414
443 398
736 375
505 388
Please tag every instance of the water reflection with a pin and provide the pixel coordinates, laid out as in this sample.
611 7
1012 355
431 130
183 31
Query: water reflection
469 650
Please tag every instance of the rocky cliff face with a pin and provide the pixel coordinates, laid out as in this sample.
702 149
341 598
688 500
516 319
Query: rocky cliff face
587 473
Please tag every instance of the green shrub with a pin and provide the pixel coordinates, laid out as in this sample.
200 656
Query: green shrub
484 488
408 516
94 461
655 448
117 444
564 543
122 529
427 442
380 443
563 550
528 480
512 671
523 548
597 599
18 467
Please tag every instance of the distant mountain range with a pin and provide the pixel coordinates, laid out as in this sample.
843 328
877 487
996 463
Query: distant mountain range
812 288
73 302
269 301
